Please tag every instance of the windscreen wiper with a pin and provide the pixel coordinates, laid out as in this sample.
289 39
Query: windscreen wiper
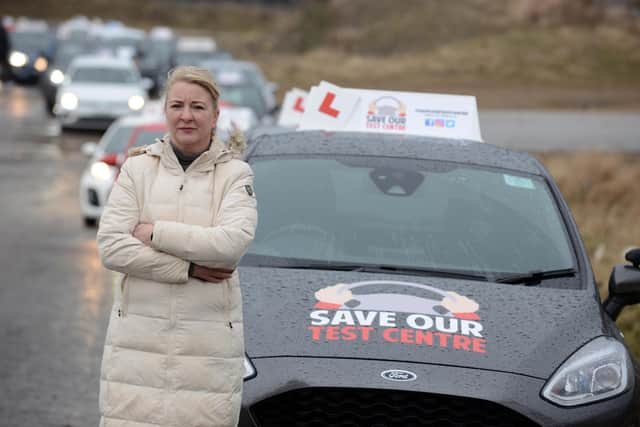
535 277
375 268
418 271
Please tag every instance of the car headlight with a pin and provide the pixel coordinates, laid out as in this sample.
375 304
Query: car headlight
136 102
41 64
249 369
56 77
599 370
101 171
18 59
69 101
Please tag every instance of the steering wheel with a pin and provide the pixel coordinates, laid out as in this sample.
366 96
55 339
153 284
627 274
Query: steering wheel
316 236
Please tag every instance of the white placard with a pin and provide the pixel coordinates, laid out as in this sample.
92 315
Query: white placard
400 113
292 108
328 107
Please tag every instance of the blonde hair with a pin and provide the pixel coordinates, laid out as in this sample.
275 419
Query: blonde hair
196 75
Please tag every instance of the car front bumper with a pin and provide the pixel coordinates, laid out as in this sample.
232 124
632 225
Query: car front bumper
315 391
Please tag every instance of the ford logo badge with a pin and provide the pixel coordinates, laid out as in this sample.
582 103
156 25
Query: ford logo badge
398 375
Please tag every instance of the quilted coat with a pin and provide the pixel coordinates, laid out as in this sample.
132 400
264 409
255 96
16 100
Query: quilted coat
173 354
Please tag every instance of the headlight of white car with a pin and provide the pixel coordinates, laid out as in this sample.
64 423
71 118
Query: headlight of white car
18 59
69 101
56 77
599 370
101 171
136 102
249 369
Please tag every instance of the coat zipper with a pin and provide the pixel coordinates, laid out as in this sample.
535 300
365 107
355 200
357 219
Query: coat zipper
172 296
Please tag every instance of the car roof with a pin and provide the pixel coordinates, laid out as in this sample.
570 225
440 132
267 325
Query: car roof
230 64
386 145
108 32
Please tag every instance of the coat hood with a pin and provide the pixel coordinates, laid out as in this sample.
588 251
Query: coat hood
480 325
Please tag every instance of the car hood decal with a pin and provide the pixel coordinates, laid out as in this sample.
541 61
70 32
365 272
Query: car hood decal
508 328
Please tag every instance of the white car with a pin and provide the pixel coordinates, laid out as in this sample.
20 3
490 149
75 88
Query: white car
107 157
97 90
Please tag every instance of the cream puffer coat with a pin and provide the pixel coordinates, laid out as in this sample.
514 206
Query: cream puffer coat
174 349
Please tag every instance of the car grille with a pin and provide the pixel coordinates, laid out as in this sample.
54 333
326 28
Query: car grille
321 407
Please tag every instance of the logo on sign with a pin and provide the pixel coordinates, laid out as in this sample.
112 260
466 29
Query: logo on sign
397 313
398 375
387 112
440 123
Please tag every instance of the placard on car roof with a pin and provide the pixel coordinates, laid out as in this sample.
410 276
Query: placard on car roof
333 108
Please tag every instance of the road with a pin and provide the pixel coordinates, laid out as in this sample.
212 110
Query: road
54 293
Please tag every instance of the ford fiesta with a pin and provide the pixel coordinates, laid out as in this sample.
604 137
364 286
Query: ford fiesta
414 281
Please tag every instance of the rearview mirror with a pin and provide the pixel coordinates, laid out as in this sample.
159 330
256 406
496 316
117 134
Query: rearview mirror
624 285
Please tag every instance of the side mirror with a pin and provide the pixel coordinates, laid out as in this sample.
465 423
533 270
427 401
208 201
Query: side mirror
273 86
624 285
89 148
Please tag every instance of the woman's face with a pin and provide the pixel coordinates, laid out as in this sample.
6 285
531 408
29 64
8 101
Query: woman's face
190 116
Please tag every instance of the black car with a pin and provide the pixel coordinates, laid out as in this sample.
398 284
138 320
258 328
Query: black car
32 48
414 281
51 80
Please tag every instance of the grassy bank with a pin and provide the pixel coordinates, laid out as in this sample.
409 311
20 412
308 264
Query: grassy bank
509 53
600 190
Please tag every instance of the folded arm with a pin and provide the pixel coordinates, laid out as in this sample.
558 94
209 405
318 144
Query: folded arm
122 252
219 246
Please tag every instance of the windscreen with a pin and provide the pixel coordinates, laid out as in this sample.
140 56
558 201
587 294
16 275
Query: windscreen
30 41
243 96
118 139
146 137
408 213
103 75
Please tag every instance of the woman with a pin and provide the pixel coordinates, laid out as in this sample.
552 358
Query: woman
178 220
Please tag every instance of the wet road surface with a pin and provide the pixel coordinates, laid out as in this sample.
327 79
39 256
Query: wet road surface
54 294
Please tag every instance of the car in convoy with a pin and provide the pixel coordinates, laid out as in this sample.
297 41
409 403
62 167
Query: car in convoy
107 157
157 57
191 50
32 47
99 89
118 40
244 75
50 81
415 280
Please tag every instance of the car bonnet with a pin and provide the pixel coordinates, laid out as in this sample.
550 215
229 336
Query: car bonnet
498 327
104 92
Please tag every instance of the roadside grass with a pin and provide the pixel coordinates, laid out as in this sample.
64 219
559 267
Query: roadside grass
562 60
466 46
600 188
